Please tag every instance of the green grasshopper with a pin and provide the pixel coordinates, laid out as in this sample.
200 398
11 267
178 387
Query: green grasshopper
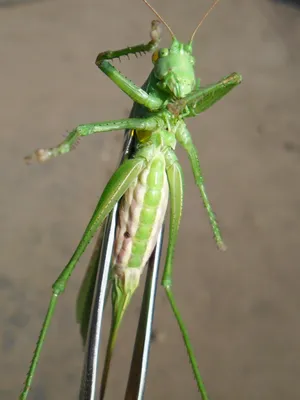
143 183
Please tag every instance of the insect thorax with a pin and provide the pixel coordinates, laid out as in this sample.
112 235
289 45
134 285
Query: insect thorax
165 135
159 139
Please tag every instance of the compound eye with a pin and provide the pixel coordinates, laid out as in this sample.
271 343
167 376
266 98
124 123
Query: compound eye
155 57
163 52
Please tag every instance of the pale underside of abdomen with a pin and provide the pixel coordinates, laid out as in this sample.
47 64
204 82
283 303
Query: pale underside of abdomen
140 218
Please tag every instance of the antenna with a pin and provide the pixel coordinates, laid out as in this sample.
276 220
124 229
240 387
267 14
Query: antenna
160 18
202 19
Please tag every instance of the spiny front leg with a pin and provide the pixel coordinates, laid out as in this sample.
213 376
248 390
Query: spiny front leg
127 86
73 138
203 98
155 35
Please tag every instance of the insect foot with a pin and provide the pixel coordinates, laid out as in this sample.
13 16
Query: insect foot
40 155
156 31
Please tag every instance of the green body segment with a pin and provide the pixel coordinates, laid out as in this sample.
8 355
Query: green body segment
140 217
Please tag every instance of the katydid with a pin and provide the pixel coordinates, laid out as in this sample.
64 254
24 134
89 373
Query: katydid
144 183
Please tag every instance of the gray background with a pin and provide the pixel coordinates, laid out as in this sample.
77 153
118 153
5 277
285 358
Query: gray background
242 306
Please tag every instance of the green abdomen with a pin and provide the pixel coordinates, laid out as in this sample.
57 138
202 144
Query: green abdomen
141 215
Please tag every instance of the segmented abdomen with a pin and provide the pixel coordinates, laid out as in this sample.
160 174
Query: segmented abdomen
140 217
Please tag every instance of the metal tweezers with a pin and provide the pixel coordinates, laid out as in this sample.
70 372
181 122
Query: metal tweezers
139 363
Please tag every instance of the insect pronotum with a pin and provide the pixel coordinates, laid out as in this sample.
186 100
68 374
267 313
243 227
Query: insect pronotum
145 183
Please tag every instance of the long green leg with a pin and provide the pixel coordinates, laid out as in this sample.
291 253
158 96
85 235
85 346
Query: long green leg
195 103
185 139
204 97
114 190
148 124
136 93
175 179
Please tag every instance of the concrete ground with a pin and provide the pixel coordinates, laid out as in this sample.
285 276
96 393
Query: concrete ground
242 306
